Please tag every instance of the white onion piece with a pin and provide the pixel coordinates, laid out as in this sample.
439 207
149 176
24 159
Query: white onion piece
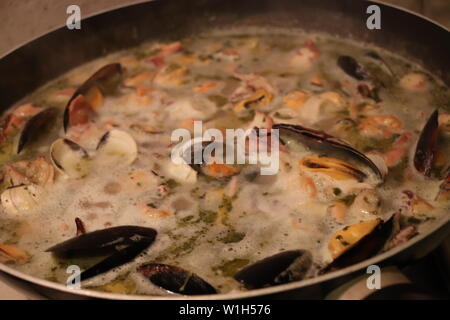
182 172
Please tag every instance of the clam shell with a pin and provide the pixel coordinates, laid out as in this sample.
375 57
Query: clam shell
116 147
21 199
69 158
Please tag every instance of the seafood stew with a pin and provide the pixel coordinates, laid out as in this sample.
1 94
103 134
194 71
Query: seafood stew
88 179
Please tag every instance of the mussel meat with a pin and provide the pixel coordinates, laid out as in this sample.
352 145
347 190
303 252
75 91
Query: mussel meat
209 158
175 279
101 83
283 267
358 242
257 101
335 168
318 140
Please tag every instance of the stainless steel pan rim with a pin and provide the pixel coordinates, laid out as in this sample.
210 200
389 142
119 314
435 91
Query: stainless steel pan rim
238 295
421 16
445 223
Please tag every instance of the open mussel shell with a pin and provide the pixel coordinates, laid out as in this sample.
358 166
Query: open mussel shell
334 168
202 156
427 145
117 147
175 279
278 269
366 247
69 158
193 152
106 78
35 127
104 81
102 241
123 243
325 143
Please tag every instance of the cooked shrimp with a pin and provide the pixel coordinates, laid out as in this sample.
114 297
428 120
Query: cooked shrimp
205 86
15 120
308 186
144 77
304 58
148 211
171 76
398 151
220 170
37 171
11 253
338 210
295 99
414 81
382 126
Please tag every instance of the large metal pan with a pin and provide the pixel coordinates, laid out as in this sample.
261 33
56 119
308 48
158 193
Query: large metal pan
405 33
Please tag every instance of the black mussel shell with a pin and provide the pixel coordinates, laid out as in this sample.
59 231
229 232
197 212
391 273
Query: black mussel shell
427 146
351 67
321 141
176 279
106 79
35 127
283 267
120 257
102 242
366 248
123 243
